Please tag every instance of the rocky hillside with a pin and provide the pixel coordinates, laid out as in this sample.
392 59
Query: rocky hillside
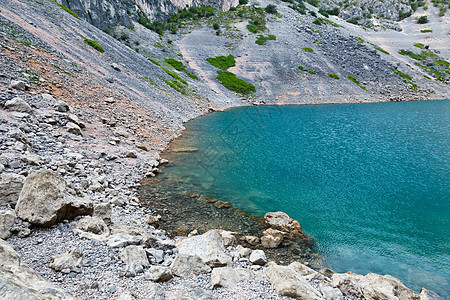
84 113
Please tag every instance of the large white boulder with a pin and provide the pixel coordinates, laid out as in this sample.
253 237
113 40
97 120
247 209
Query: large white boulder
228 276
288 282
45 200
209 246
186 265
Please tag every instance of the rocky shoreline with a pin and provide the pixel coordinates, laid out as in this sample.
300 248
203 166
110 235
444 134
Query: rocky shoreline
75 142
75 227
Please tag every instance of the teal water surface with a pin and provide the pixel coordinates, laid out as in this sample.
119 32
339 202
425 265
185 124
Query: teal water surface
370 182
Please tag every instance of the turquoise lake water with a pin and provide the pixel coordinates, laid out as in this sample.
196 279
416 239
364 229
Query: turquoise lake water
370 182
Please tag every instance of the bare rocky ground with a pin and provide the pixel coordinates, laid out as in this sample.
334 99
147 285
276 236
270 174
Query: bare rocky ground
95 121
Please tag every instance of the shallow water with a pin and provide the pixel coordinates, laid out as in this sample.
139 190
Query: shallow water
368 181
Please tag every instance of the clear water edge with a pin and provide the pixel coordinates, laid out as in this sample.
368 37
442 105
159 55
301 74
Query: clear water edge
351 174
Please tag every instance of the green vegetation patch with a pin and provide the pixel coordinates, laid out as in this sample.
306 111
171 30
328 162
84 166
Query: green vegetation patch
401 74
231 82
422 20
361 40
191 76
334 76
381 50
66 9
312 72
174 75
177 65
149 80
262 40
176 86
94 45
301 68
222 62
271 9
426 30
307 49
356 81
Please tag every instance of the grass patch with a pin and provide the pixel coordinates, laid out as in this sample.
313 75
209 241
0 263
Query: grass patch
192 76
262 40
155 62
426 30
312 72
94 45
356 81
401 74
420 45
174 75
222 62
361 40
66 9
176 86
334 76
177 65
231 82
307 49
301 68
381 50
149 80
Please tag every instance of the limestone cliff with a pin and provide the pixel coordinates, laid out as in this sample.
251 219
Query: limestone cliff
105 13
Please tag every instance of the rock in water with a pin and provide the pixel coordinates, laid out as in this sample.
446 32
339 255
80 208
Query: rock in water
288 282
45 200
68 260
18 281
10 188
228 276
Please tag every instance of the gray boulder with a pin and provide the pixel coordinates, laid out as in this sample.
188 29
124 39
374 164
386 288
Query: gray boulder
228 276
103 211
158 274
136 259
73 128
186 265
258 257
18 104
288 282
67 261
18 281
19 85
209 246
6 222
10 187
45 200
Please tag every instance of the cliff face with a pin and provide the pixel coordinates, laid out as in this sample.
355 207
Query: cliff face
105 13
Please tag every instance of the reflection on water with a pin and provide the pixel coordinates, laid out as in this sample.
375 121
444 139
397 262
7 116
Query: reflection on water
368 181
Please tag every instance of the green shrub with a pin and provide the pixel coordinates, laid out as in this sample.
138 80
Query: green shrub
177 65
312 72
419 45
313 2
422 20
318 21
381 49
359 39
243 2
324 12
426 30
222 62
356 81
354 21
257 24
401 74
261 40
301 68
307 49
174 75
333 76
176 86
192 76
231 82
154 61
216 26
94 45
271 9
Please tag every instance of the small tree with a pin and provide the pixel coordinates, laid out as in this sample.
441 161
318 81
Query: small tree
216 26
243 2
271 9
422 20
